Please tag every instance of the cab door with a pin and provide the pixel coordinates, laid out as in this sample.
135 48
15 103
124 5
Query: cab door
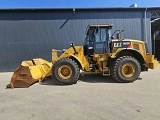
101 41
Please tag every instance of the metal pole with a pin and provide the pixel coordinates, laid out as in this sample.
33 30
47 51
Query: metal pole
145 24
154 38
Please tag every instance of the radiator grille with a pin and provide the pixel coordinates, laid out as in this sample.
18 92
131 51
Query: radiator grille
136 46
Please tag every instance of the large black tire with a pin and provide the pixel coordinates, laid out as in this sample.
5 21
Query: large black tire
125 69
65 72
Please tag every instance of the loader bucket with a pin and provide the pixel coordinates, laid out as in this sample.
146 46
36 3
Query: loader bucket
29 72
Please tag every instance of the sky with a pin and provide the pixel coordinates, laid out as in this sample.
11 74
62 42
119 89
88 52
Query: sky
76 3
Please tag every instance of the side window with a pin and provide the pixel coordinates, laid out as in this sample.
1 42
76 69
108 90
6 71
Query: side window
100 36
103 34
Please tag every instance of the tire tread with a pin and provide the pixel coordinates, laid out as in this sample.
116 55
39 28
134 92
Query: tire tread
74 81
114 68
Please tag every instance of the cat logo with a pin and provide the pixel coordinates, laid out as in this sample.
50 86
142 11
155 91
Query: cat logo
117 44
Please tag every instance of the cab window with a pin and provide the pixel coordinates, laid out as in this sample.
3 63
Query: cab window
101 35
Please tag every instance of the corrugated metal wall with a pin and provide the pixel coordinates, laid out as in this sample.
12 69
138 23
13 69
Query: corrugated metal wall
26 34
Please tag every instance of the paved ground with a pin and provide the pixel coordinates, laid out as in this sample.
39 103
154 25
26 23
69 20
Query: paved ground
93 98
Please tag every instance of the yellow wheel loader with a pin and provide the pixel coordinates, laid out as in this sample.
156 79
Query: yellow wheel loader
123 59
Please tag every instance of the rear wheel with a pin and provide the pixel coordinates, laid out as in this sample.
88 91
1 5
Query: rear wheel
125 69
65 72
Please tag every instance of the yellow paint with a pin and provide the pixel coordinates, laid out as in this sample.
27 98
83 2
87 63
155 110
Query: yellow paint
40 70
80 57
65 72
150 61
128 70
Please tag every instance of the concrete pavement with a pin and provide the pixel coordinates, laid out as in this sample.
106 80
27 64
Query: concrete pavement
94 97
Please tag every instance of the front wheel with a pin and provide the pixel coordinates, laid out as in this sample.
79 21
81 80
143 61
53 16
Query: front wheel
125 69
65 72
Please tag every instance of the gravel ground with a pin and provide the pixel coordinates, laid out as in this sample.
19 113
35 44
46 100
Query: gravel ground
94 97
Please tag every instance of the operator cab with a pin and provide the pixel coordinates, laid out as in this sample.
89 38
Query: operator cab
97 39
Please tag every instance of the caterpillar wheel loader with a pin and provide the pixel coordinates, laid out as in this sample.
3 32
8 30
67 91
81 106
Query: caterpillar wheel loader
123 59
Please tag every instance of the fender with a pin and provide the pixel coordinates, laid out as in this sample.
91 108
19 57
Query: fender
82 62
132 52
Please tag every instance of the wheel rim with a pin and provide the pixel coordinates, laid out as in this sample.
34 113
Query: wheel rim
65 72
128 70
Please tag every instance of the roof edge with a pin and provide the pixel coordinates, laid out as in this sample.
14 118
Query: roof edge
95 8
